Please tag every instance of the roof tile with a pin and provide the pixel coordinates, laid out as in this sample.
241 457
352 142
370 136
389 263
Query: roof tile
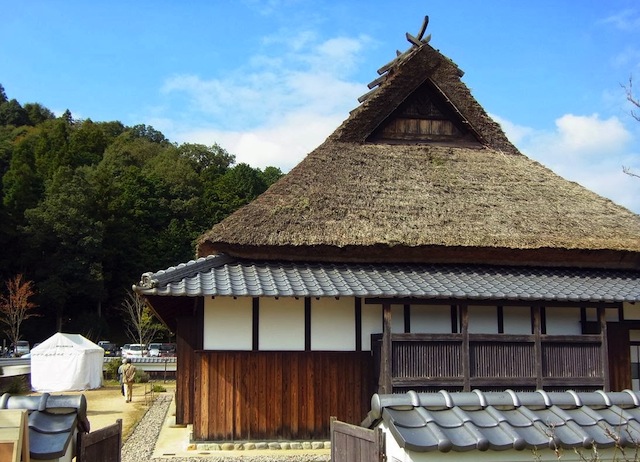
224 276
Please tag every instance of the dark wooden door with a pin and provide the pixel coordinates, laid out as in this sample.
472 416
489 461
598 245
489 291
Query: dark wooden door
619 356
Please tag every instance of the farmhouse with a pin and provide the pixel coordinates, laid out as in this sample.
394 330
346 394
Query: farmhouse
415 249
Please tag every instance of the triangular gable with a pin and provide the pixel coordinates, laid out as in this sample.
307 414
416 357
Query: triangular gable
427 116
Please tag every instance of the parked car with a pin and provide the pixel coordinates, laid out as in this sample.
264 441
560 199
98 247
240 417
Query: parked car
123 348
154 350
110 348
167 349
135 350
21 348
162 350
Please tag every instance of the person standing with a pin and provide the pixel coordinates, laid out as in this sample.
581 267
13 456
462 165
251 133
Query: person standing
128 374
121 375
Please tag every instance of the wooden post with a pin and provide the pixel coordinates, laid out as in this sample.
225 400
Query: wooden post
604 348
385 384
466 357
537 335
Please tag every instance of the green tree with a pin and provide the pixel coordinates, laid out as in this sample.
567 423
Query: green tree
37 113
271 174
12 113
69 238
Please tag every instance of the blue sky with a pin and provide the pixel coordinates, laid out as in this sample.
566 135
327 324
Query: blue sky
270 80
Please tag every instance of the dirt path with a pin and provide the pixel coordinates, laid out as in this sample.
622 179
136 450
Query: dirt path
106 405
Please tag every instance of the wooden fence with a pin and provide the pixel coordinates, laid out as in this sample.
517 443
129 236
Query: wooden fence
103 445
426 362
350 443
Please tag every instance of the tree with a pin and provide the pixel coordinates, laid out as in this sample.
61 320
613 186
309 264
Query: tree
12 113
635 102
37 113
15 307
142 326
69 238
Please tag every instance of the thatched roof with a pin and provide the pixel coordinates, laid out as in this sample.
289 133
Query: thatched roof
420 173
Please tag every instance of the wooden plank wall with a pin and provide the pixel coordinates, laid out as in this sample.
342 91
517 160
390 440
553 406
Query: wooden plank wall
279 395
188 340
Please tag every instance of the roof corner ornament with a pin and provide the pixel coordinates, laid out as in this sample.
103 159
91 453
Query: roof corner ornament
147 282
419 40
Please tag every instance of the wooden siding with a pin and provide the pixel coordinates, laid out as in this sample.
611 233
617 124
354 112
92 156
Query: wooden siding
188 340
271 395
490 361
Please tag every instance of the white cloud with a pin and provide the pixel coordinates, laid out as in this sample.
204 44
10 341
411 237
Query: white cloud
585 149
274 111
625 20
587 135
280 145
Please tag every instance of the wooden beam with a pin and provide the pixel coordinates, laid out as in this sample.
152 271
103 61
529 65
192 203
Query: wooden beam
358 315
384 385
466 357
307 324
423 29
255 342
604 349
484 302
537 335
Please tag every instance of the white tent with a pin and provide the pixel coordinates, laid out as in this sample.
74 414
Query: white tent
66 362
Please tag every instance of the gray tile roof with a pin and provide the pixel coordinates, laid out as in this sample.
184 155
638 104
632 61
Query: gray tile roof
220 275
500 421
53 421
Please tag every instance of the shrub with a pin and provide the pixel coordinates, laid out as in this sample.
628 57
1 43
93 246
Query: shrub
111 369
18 385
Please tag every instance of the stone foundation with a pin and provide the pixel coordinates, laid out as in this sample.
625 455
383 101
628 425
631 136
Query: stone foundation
261 446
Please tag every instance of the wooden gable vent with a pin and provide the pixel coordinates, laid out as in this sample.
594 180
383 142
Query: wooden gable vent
425 117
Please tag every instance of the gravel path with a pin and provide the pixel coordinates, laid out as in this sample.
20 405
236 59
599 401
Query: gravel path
140 444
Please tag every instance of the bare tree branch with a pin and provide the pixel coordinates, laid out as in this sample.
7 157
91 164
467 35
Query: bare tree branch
628 89
628 171
141 324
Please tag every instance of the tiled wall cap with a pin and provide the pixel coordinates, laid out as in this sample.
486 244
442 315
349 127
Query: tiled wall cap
482 398
545 397
576 398
447 398
514 398
634 397
607 400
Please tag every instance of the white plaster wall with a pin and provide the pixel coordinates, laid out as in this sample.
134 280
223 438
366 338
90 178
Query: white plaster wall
428 319
563 321
516 320
333 324
371 324
281 325
228 323
397 319
631 311
483 320
611 314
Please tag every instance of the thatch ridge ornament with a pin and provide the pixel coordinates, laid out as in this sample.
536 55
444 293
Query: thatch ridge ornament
387 69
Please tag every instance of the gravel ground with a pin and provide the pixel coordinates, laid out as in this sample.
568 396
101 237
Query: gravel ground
140 444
